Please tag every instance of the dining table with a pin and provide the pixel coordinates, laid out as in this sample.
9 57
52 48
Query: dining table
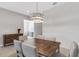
43 47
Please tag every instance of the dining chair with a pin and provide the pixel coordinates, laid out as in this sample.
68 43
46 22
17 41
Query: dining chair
28 51
18 47
22 38
50 38
73 51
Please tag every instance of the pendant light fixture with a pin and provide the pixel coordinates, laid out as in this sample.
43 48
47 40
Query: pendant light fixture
37 17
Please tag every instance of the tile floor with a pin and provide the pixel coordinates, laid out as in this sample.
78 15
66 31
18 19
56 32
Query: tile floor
9 51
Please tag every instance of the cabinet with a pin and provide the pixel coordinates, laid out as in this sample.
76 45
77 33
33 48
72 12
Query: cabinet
9 38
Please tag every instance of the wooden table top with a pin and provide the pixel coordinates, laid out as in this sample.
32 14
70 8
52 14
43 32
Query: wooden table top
46 47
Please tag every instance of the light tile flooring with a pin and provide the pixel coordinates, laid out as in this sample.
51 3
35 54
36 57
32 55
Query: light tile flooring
9 51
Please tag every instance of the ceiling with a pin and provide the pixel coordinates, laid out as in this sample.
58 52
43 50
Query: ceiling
26 8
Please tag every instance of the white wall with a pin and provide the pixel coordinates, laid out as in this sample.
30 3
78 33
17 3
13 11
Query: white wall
63 23
9 22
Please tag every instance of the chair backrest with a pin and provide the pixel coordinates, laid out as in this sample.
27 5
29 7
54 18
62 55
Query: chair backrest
40 36
18 47
22 38
28 51
73 50
50 38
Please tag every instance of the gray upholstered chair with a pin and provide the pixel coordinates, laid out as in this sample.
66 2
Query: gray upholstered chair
18 47
28 51
23 38
73 50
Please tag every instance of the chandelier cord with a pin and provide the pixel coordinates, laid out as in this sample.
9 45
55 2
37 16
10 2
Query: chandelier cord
36 6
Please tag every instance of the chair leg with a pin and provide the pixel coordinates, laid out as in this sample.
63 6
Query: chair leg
23 55
17 56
